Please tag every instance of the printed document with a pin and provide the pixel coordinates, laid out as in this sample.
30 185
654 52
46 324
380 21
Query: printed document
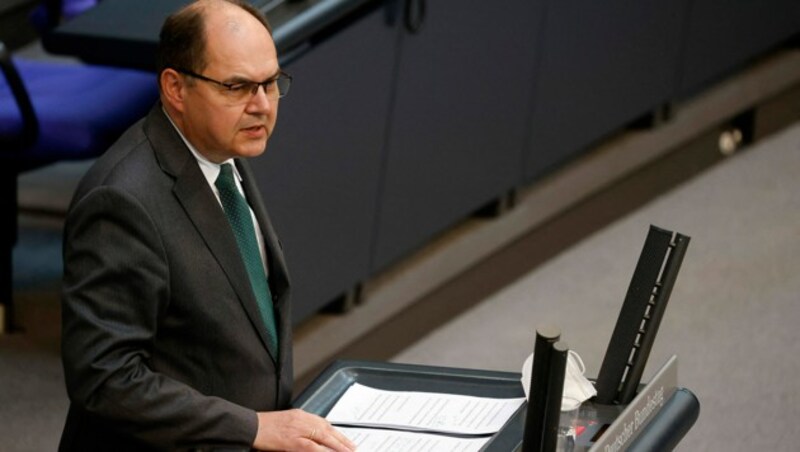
422 411
379 440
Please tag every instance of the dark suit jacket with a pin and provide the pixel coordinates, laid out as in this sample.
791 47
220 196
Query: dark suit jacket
163 344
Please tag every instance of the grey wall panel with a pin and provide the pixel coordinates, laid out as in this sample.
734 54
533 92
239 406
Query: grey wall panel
458 122
320 174
721 35
601 65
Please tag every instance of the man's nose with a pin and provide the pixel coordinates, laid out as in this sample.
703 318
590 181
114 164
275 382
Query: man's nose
261 100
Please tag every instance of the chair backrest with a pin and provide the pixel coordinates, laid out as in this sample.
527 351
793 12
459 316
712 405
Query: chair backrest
52 111
72 8
51 12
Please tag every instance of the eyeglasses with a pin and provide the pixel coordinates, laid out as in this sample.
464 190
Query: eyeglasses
243 91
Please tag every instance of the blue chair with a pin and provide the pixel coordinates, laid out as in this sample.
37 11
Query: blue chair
50 13
51 112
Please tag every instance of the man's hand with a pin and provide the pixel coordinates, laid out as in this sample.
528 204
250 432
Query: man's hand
296 430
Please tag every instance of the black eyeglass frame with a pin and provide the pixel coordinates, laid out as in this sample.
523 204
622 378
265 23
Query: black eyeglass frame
283 90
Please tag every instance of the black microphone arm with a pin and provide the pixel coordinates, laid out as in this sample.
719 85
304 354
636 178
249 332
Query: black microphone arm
640 317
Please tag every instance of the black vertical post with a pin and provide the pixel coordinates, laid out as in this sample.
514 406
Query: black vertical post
634 308
555 392
8 203
546 336
661 294
640 316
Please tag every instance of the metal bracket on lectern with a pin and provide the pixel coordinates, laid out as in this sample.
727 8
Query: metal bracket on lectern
640 317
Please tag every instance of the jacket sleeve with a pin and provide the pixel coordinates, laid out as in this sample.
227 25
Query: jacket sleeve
116 284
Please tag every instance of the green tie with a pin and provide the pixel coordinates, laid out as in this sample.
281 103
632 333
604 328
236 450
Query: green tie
238 213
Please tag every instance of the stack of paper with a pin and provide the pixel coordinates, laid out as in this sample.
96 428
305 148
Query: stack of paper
419 421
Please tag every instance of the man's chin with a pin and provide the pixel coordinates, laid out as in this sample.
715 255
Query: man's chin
253 148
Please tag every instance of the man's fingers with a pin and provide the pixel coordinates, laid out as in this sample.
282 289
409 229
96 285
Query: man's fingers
333 439
298 430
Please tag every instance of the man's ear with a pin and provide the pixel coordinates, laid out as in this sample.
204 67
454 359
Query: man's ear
172 88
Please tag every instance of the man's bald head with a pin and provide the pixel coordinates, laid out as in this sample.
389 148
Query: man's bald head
182 41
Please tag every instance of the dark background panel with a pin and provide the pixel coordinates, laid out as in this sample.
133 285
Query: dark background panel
601 65
722 35
458 122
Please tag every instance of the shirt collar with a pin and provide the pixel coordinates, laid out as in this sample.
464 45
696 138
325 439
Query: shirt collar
210 169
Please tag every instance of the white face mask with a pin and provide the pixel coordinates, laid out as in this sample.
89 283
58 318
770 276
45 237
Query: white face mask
576 385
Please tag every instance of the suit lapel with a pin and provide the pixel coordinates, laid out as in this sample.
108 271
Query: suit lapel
201 206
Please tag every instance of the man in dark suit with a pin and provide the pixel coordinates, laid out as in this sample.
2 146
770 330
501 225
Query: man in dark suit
174 336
